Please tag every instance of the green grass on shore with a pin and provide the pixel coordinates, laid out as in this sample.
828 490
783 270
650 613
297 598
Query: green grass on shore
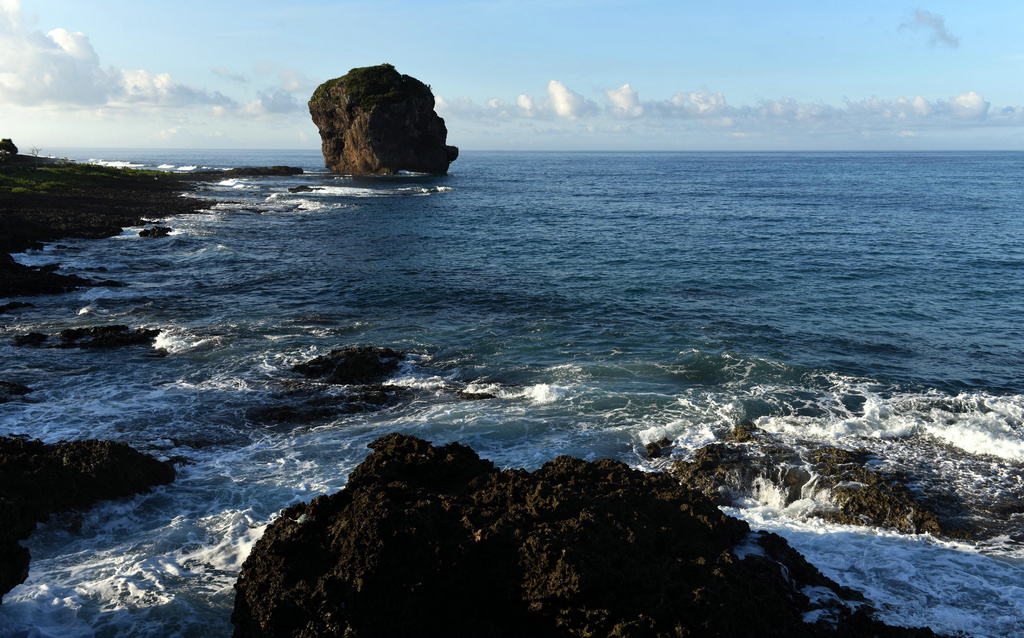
57 178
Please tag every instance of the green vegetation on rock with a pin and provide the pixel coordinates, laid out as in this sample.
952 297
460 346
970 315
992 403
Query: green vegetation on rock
67 177
371 86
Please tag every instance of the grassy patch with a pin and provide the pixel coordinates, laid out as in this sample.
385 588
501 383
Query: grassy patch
68 177
371 86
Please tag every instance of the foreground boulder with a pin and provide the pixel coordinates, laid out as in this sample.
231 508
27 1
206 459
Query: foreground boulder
434 541
37 480
376 121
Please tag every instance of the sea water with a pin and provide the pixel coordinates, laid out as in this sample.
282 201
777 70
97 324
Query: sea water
606 300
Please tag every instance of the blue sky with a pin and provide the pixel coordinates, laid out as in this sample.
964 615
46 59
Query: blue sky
524 74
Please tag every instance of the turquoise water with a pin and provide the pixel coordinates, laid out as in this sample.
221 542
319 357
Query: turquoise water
606 299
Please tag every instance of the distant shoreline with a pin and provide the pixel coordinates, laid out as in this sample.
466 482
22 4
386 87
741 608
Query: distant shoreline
74 200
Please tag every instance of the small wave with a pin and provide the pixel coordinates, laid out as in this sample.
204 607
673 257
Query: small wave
178 340
187 168
115 163
976 423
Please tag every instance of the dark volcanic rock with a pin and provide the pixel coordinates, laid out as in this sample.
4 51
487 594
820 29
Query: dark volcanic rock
9 389
377 121
861 495
30 339
18 279
155 232
38 479
353 365
434 541
14 305
115 336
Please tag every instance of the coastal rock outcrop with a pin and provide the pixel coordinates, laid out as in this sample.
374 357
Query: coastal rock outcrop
376 121
750 461
38 479
434 541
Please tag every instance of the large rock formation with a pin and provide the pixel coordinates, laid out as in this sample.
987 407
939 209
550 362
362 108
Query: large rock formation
374 120
37 479
434 541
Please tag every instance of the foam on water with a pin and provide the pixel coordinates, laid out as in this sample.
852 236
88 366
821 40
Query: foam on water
115 163
534 298
911 580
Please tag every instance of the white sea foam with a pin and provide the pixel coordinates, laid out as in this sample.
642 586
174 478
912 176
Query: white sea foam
175 340
165 166
543 393
115 163
187 168
977 423
912 580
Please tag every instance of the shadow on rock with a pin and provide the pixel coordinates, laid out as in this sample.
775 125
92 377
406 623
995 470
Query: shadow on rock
434 541
37 480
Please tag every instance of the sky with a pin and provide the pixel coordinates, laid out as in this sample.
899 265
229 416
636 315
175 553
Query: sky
522 74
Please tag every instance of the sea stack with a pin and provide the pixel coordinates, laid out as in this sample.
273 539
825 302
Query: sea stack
376 121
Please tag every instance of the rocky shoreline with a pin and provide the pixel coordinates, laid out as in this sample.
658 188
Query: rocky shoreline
37 480
433 540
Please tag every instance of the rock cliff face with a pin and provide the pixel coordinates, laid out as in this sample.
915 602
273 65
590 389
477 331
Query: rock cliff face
376 121
435 541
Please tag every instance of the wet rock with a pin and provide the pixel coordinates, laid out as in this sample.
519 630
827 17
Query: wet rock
434 541
14 305
155 232
30 339
115 336
656 448
848 490
37 479
20 280
9 390
475 396
301 189
865 496
352 365
374 120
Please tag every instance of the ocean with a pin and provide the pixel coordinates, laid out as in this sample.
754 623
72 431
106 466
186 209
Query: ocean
605 300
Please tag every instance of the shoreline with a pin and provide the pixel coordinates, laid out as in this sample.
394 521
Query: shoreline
87 201
181 183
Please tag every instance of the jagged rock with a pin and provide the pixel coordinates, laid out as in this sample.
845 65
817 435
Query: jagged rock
352 365
155 232
374 120
115 336
854 493
301 189
656 448
37 479
434 541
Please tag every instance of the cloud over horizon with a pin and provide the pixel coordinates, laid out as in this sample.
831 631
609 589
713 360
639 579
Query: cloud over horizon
709 110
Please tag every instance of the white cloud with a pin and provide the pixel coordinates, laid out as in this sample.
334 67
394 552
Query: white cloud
61 68
624 102
568 103
560 102
936 24
969 105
